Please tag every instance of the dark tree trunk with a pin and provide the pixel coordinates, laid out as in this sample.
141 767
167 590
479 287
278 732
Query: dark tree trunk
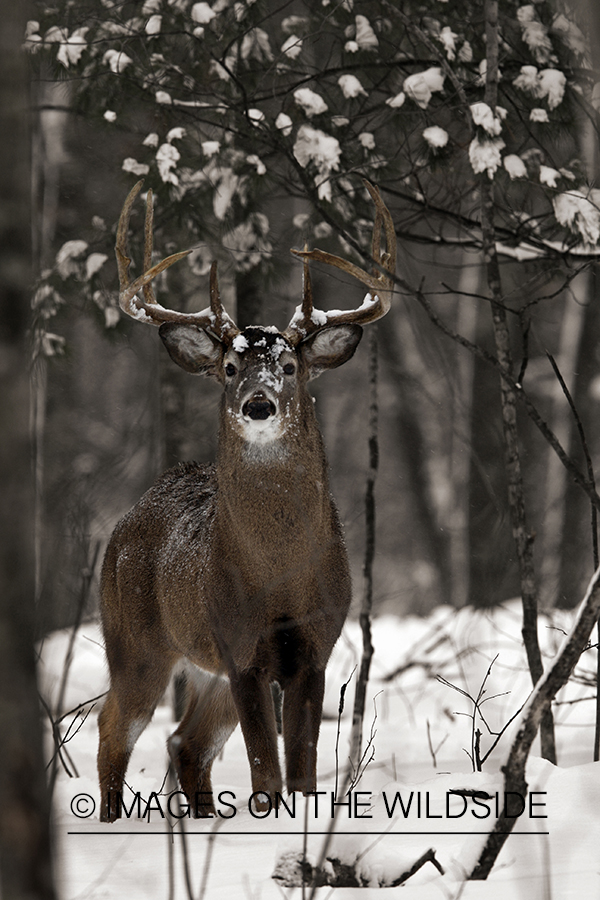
25 853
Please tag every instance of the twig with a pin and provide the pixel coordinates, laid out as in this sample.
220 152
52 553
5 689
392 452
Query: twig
428 856
477 760
186 863
208 858
339 726
592 482
59 750
367 604
586 451
358 769
328 838
430 742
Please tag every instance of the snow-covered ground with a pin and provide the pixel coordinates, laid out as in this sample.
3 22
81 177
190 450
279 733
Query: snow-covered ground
421 735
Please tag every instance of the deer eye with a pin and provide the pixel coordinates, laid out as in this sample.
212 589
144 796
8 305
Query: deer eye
289 369
230 370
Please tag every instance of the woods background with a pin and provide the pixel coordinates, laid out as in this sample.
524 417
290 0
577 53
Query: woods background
254 127
111 411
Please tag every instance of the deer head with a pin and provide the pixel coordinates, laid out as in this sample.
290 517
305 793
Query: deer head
261 370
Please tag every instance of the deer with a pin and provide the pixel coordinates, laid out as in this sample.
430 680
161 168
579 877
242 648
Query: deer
238 568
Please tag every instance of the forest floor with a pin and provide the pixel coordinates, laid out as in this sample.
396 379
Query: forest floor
420 734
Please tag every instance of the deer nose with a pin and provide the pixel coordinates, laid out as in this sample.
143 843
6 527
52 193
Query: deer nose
258 408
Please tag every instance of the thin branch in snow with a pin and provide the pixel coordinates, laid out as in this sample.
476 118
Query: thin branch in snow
554 678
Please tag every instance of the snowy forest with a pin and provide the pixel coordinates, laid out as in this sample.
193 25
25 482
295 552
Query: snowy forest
463 437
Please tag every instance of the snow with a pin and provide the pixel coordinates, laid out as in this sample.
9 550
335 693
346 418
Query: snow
483 116
284 124
175 134
367 140
365 37
72 50
153 25
351 86
397 101
447 37
256 116
117 60
167 157
66 257
534 33
422 730
549 83
514 165
484 155
538 115
552 86
420 86
136 168
313 145
94 263
311 103
240 343
435 136
292 47
210 148
579 212
202 13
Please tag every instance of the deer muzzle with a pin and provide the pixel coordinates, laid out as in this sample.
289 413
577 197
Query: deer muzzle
259 407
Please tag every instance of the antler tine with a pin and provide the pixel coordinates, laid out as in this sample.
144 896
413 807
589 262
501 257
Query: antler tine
148 290
224 324
383 218
215 318
307 320
123 261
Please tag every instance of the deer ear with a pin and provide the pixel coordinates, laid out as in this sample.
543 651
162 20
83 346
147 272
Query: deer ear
329 348
193 349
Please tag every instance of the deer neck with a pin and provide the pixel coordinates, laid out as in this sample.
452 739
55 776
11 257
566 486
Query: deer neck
277 491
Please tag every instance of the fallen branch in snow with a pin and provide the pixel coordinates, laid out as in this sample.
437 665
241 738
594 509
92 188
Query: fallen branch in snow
428 856
533 712
293 871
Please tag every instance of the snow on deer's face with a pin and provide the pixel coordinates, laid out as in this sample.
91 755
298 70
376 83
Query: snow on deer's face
261 381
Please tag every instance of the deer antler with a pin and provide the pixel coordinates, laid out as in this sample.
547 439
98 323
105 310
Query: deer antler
214 318
306 320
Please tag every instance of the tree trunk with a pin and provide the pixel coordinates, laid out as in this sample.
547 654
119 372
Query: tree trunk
522 536
358 713
25 850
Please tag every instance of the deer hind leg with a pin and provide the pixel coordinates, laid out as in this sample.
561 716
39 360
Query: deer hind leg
302 707
136 688
209 719
252 694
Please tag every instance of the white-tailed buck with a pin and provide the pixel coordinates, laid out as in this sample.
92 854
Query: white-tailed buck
240 567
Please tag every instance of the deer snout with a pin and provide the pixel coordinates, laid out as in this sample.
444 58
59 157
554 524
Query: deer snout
259 407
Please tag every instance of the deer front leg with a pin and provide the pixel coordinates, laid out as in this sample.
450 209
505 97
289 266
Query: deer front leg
252 695
302 707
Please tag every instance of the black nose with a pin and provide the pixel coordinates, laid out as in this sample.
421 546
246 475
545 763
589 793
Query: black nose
258 409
